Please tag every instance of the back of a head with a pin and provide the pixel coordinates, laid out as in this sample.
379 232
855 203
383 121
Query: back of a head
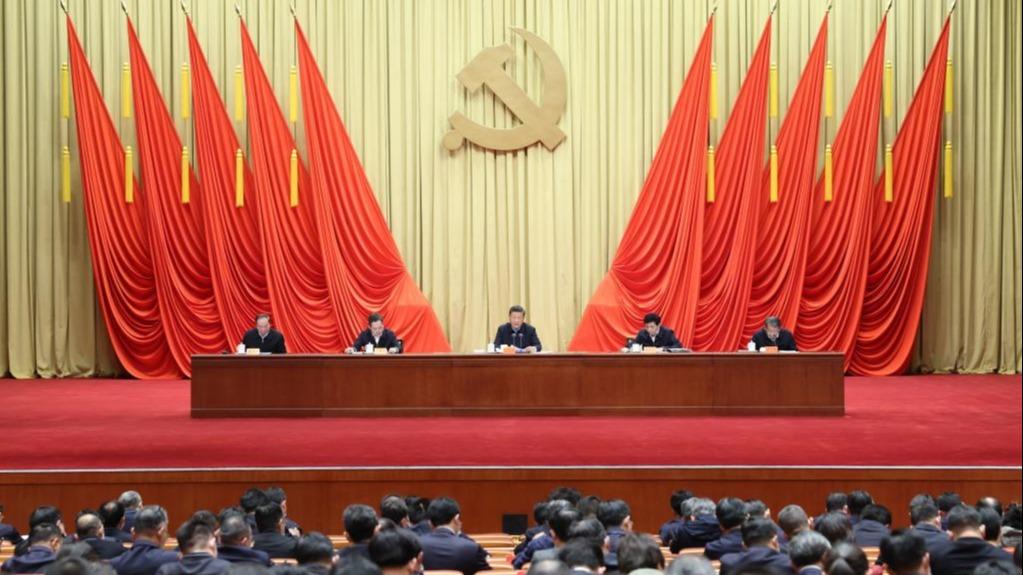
150 520
858 500
207 518
354 564
835 527
44 533
111 513
548 567
416 508
582 552
561 522
792 519
836 501
268 516
963 518
701 506
360 522
613 513
690 565
992 523
44 514
248 569
991 503
276 494
808 548
731 512
996 568
589 528
844 558
71 566
394 548
879 513
922 513
638 551
569 494
195 536
314 547
234 528
394 508
920 499
947 500
88 526
678 498
442 511
903 553
253 498
588 505
77 550
755 508
758 532
130 499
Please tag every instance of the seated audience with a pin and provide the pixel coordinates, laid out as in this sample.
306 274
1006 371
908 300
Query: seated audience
874 525
356 565
8 532
845 558
541 541
1012 526
730 513
591 529
905 554
690 565
252 499
315 553
280 497
806 550
926 522
700 527
668 528
417 514
583 556
41 549
270 537
236 541
89 530
561 524
967 549
588 505
360 526
835 527
445 547
793 521
616 517
396 552
638 552
198 545
394 508
132 503
539 526
760 550
836 502
755 508
111 514
992 523
858 501
42 514
146 554
946 501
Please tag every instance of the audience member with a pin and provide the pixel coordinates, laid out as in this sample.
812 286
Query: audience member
236 541
146 554
731 513
967 549
445 547
270 537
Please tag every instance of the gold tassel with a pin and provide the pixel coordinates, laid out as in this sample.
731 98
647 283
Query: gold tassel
65 175
713 96
948 168
65 96
710 174
239 179
889 177
239 94
948 86
294 178
185 180
129 177
293 95
828 174
889 85
774 174
773 77
126 91
829 90
186 92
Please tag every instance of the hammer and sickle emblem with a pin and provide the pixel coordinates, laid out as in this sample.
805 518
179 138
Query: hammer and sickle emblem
539 123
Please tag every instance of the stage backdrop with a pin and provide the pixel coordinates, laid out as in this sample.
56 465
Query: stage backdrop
480 230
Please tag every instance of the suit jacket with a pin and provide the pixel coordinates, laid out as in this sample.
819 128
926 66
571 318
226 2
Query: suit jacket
276 545
665 338
195 564
530 534
361 549
961 556
614 537
9 533
35 559
116 534
421 528
539 543
931 534
525 337
105 548
729 542
272 343
242 554
667 530
697 532
144 558
443 549
869 533
129 518
785 341
387 340
761 557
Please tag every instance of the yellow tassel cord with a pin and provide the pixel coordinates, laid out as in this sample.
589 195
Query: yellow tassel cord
710 174
239 94
889 177
126 91
829 90
65 175
828 175
129 177
294 178
239 179
186 191
774 174
713 92
948 168
293 95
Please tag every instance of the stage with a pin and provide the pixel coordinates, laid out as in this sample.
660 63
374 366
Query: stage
79 441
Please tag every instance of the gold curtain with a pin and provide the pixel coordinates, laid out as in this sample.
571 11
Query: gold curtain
480 230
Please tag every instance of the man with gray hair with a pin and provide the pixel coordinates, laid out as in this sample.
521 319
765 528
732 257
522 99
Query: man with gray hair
793 520
700 527
690 565
236 542
89 529
146 554
773 335
132 502
806 550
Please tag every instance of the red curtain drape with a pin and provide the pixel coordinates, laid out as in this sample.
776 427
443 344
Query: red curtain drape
900 246
781 242
836 267
657 265
730 238
232 233
118 242
293 259
175 228
365 272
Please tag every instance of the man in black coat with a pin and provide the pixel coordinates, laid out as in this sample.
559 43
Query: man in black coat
654 334
270 537
40 515
731 514
874 525
236 542
198 546
927 524
446 547
806 551
773 335
264 337
111 514
376 335
699 528
8 532
360 526
89 530
43 543
146 554
517 333
760 542
967 549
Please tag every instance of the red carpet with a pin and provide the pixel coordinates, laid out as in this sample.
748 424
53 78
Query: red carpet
952 420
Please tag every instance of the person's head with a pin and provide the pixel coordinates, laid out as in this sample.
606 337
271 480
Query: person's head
588 505
88 526
638 551
920 499
46 514
731 512
394 508
570 494
111 513
845 558
253 498
208 518
46 535
263 324
548 567
196 537
965 521
588 528
677 499
444 512
757 508
652 323
151 523
992 524
905 554
615 513
555 506
699 507
376 324
947 500
772 325
278 496
792 520
314 548
858 500
354 564
76 566
516 316
998 567
561 523
759 532
235 530
396 551
78 550
879 513
836 501
807 548
416 508
690 565
360 522
925 513
990 503
130 499
835 527
582 552
269 518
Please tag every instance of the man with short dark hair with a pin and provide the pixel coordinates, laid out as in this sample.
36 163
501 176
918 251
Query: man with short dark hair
760 550
668 528
583 556
616 517
654 334
517 333
420 524
280 497
8 532
561 523
926 522
315 553
836 501
264 337
42 514
112 515
992 523
874 525
700 527
835 527
991 503
253 498
539 526
270 536
731 513
360 525
198 545
793 521
377 336
146 554
394 508
446 547
774 335
946 501
806 550
905 554
43 543
397 552
89 530
967 549
638 551
236 542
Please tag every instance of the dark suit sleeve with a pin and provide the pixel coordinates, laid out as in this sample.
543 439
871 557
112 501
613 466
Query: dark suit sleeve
499 336
672 340
280 347
643 338
361 340
790 342
481 563
534 339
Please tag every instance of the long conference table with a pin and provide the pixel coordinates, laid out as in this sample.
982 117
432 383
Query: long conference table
303 385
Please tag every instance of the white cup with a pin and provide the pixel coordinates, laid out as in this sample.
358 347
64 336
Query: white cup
241 348
751 346
369 348
490 347
637 348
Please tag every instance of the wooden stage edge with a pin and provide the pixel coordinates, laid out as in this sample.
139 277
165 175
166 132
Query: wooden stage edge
317 497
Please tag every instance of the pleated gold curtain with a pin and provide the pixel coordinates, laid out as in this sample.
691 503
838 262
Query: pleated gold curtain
480 230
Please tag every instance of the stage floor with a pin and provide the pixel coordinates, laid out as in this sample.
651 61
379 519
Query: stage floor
939 420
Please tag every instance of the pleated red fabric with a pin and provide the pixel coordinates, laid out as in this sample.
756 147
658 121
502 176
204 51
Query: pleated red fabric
293 259
784 227
119 244
730 239
364 269
836 266
900 246
657 265
232 233
175 229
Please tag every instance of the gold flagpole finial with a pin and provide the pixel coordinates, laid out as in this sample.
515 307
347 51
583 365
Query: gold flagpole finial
953 7
124 8
291 6
184 8
63 6
774 8
237 9
889 8
831 4
713 9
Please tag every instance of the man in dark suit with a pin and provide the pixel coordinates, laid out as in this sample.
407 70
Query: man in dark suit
539 526
8 532
236 542
773 335
264 337
654 334
396 552
946 501
111 514
583 555
270 537
315 553
446 547
639 553
967 549
146 554
760 542
858 501
543 541
699 528
360 526
792 520
89 529
517 333
926 521
616 517
198 546
376 335
834 527
280 497
836 502
42 545
806 550
132 502
874 525
905 554
731 513
668 527
40 515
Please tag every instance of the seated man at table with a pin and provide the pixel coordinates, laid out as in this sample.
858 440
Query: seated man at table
376 335
774 335
517 333
264 337
654 334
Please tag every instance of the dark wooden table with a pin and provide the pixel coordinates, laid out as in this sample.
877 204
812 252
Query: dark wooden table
539 384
